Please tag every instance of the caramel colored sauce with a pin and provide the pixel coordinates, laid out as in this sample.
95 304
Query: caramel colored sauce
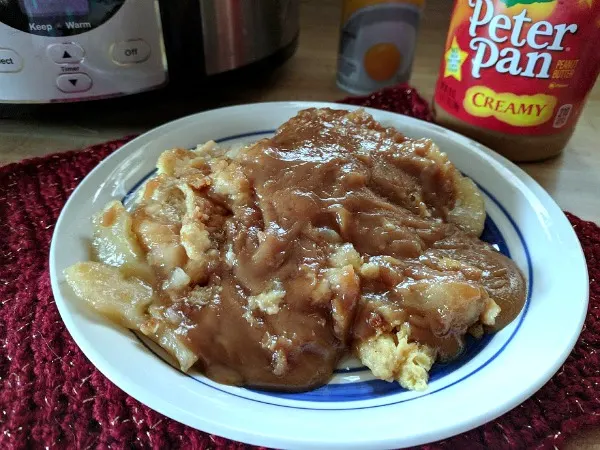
338 229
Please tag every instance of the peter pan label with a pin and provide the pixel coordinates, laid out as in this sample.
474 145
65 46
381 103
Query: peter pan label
519 66
543 37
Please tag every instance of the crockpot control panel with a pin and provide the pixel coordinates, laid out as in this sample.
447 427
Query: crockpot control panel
73 50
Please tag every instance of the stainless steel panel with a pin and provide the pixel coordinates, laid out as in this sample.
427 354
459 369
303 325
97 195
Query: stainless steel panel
239 32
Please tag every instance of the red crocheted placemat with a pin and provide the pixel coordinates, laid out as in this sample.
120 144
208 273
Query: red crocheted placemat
52 397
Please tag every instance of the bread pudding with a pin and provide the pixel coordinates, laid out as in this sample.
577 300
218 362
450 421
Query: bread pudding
263 266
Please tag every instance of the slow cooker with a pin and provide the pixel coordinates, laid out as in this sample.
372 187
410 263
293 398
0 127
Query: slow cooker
80 50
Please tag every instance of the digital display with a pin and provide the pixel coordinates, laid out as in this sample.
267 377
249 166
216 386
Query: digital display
46 8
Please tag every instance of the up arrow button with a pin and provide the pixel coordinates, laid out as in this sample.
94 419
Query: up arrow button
66 53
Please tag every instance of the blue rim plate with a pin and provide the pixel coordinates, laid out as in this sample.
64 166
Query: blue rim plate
353 410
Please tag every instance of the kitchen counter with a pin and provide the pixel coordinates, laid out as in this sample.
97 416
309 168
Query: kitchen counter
571 179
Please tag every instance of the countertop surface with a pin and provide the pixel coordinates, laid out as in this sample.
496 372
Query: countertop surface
572 179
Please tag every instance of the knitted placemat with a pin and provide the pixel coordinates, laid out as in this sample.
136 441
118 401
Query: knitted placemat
52 397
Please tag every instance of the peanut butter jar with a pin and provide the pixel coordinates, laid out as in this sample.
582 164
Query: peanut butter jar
515 74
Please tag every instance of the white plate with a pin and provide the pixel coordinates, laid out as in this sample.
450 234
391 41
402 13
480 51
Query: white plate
353 411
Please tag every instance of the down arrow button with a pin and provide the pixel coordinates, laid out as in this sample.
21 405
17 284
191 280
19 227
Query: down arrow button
74 82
